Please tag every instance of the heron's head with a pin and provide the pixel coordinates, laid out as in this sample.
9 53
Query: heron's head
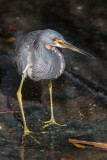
51 38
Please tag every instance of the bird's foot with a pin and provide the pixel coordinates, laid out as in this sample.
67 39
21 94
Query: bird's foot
27 132
51 122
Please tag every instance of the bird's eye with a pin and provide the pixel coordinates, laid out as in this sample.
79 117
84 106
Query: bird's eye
57 41
53 39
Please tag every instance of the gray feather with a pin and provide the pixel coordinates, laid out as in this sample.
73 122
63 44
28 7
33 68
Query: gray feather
40 62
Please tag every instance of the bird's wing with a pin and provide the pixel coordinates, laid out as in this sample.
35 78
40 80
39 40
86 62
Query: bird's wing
23 51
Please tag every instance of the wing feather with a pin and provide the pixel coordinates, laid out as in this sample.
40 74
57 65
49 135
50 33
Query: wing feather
22 51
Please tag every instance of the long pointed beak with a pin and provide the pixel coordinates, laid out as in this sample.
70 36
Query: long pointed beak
65 44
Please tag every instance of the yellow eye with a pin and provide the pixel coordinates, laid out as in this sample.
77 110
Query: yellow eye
57 41
53 39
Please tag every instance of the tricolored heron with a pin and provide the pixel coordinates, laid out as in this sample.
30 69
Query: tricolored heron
38 56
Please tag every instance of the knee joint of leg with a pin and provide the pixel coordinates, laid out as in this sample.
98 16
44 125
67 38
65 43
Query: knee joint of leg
19 93
50 85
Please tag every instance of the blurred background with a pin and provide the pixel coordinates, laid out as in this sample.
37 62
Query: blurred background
79 95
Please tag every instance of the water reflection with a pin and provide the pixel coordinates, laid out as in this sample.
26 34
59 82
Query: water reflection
22 152
49 148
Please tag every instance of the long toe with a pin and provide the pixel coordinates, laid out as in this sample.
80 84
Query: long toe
52 122
30 132
48 121
32 137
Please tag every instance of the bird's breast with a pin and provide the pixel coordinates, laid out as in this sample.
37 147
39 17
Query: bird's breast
57 61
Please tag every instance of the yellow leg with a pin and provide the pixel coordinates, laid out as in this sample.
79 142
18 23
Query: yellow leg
52 120
19 96
26 130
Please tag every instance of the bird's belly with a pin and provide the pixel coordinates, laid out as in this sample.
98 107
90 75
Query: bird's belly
49 71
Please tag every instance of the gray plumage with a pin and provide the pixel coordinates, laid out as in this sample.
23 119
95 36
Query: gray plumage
35 60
